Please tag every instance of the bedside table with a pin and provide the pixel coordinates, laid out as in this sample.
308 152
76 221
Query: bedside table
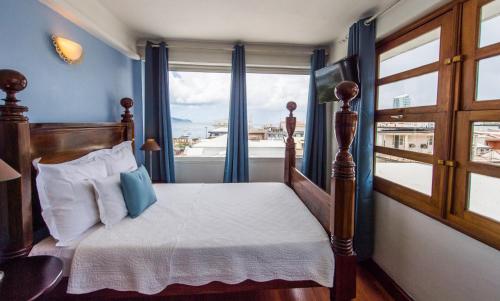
27 278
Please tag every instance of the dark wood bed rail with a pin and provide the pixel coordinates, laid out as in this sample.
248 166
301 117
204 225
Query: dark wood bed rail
335 212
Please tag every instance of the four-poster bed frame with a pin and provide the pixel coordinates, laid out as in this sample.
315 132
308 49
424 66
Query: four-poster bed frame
22 141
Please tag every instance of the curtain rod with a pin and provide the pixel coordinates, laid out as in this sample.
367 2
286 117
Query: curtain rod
250 45
371 19
383 11
156 45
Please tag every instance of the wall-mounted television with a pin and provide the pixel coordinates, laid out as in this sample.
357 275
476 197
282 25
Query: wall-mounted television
329 77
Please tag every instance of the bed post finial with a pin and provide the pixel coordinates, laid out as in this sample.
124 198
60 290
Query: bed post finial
343 191
127 103
16 233
290 143
127 118
12 82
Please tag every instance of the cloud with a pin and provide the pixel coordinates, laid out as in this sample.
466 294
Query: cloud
205 96
197 88
264 91
273 91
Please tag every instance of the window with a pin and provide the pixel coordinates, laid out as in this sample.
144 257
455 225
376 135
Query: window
199 111
267 95
476 205
414 136
437 144
405 172
411 118
417 52
489 24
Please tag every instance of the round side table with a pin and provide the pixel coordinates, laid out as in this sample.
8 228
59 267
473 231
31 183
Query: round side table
27 278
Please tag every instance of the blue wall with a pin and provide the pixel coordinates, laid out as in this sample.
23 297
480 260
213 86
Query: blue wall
58 92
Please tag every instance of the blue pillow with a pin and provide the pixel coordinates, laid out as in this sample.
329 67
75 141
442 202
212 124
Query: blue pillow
137 191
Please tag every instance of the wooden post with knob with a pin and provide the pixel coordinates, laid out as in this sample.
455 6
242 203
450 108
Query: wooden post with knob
343 192
16 233
127 118
290 143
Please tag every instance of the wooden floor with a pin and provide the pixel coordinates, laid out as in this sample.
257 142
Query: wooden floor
368 289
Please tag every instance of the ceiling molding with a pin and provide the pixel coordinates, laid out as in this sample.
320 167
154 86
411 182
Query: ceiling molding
96 19
215 56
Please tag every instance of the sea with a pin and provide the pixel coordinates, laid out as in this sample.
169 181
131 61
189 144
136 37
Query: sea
191 129
183 127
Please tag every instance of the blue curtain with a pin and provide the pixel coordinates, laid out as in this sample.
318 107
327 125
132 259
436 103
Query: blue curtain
314 163
157 120
236 167
362 43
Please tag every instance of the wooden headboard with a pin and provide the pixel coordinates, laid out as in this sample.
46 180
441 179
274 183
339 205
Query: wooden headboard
61 142
21 142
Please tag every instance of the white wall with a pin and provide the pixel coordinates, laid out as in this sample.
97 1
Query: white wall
430 260
211 170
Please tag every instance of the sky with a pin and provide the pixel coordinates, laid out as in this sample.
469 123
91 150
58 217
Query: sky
204 97
488 74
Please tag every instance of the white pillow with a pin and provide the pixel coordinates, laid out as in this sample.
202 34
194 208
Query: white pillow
87 158
67 198
119 159
109 197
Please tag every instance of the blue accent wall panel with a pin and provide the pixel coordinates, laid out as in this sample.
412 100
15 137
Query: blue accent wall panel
59 92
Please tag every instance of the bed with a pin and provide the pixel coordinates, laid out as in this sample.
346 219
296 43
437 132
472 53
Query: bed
218 237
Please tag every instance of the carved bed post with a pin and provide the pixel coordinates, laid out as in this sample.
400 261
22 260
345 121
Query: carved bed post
16 231
127 118
290 143
343 190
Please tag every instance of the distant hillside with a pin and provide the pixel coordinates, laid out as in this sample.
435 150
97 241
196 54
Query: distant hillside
175 119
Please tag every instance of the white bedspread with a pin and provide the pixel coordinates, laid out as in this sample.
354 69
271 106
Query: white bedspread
199 233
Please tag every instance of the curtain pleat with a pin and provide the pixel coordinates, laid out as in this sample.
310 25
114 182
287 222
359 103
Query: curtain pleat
362 43
236 165
158 124
314 163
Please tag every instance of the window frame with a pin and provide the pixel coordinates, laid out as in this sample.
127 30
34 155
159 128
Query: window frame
437 113
481 227
406 195
442 101
452 143
473 54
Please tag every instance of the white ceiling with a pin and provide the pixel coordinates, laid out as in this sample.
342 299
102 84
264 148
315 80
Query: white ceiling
124 23
309 22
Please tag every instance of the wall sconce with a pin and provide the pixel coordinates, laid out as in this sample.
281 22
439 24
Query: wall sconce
70 51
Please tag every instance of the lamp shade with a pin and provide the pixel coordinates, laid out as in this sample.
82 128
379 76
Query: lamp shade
150 145
7 173
71 52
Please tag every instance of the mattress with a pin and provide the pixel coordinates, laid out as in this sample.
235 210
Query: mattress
48 246
198 233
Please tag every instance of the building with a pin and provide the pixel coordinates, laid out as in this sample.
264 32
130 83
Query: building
402 101
412 136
